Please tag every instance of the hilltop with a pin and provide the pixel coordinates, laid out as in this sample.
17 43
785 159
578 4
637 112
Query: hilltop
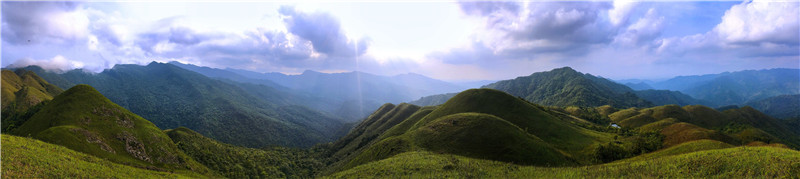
477 123
567 87
24 93
84 120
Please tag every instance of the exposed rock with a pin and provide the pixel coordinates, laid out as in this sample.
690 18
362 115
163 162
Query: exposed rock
93 138
133 146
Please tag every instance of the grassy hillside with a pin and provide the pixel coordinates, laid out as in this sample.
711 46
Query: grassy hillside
681 124
240 162
486 136
688 147
83 120
30 158
172 97
567 87
22 95
738 162
479 123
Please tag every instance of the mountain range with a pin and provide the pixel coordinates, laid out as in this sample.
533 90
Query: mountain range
207 126
354 94
733 88
172 97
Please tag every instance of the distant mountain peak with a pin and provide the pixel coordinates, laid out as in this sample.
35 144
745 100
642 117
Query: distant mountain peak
311 72
565 86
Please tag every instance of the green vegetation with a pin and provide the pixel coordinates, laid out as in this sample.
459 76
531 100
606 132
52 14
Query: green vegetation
172 97
24 93
433 100
240 162
479 123
567 87
666 97
30 158
682 124
738 162
486 136
83 120
781 107
683 148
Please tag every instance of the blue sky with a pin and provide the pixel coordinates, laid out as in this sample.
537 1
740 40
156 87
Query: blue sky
446 40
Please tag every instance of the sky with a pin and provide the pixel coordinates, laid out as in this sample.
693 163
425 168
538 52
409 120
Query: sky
448 40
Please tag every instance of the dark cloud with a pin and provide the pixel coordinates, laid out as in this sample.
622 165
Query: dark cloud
181 36
496 12
566 28
40 22
324 32
576 22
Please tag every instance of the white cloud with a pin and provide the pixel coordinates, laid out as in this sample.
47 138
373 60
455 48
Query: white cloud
619 14
57 63
759 22
643 31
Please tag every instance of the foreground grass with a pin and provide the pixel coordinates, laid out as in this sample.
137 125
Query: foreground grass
738 162
30 158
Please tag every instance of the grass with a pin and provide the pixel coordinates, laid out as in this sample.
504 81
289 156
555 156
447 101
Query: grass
30 158
241 162
684 132
658 125
564 136
481 123
738 162
486 136
84 120
687 147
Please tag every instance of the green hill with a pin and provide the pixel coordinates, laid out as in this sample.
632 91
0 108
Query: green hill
738 162
479 123
694 122
486 136
23 91
30 158
240 162
83 120
567 87
171 97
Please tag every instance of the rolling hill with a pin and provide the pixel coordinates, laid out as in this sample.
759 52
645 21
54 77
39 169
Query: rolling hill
682 124
567 87
478 123
172 97
30 158
23 94
83 120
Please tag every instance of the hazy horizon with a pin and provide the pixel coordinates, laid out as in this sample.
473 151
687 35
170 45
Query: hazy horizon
450 41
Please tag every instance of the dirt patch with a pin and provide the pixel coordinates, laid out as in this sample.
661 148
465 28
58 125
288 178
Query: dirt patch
125 121
133 146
